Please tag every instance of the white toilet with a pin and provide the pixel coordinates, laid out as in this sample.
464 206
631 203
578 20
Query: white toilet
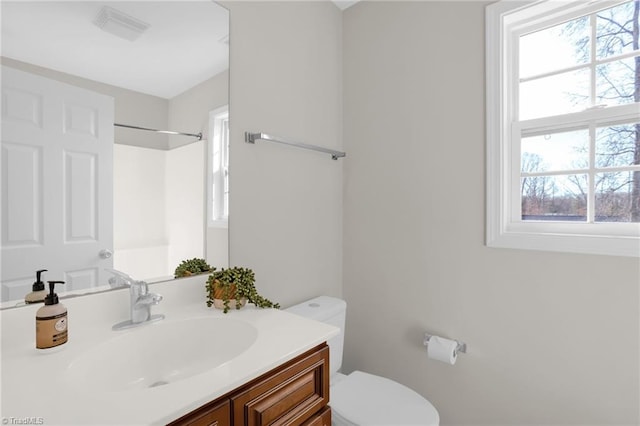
362 399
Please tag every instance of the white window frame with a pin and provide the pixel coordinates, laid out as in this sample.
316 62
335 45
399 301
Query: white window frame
505 20
218 171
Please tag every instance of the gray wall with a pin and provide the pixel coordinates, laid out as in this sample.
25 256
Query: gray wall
285 208
553 338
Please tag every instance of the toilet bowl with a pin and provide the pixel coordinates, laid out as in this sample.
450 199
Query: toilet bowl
359 398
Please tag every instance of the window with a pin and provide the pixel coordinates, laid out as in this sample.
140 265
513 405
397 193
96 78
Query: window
218 176
563 126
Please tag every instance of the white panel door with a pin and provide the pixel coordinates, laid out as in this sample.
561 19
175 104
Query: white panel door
57 196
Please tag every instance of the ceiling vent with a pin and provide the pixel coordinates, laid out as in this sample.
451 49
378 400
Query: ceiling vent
120 24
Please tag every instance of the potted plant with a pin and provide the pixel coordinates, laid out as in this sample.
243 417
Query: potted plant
232 288
192 267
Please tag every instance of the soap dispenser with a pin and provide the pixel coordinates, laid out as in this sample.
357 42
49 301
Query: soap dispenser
51 321
38 292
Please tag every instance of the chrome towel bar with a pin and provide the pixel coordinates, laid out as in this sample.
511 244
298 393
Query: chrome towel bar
166 132
253 137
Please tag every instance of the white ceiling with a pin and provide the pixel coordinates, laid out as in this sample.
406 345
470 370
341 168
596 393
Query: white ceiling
180 49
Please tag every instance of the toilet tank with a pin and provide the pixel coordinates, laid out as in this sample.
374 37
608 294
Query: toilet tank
329 310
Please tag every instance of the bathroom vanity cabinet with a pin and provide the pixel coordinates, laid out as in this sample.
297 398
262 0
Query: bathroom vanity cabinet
295 393
280 377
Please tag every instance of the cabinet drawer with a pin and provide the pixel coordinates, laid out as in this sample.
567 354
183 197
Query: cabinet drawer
291 396
212 414
323 418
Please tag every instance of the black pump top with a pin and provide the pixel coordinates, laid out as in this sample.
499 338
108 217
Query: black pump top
38 285
52 298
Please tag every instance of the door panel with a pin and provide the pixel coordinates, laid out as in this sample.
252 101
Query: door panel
21 195
80 199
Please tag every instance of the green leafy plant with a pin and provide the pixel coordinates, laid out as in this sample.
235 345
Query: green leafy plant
192 267
235 284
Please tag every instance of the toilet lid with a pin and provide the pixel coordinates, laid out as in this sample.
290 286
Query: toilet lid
367 400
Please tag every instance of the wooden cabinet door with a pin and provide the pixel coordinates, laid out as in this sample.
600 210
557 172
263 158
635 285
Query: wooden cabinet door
291 395
217 415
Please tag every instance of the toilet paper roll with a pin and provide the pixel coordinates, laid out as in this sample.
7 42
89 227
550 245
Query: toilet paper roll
442 349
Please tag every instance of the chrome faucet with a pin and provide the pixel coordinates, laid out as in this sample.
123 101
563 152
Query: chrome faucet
141 300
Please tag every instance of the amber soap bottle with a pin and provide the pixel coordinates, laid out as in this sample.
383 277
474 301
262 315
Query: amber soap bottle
51 321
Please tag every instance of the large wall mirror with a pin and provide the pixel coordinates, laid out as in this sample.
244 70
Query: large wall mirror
154 198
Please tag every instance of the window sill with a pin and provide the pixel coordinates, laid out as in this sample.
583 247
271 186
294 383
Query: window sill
567 243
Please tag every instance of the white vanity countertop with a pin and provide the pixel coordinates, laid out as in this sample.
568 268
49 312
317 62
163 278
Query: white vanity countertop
35 384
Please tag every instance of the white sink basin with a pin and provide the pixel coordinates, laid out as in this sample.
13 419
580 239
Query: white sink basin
161 353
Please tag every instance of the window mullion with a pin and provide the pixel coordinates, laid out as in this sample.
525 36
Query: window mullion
592 64
553 73
591 177
556 172
592 59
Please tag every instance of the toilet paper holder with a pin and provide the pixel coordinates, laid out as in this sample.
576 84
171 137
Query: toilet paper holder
461 346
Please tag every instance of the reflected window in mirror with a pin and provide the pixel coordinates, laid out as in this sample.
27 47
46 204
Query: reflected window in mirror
218 173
